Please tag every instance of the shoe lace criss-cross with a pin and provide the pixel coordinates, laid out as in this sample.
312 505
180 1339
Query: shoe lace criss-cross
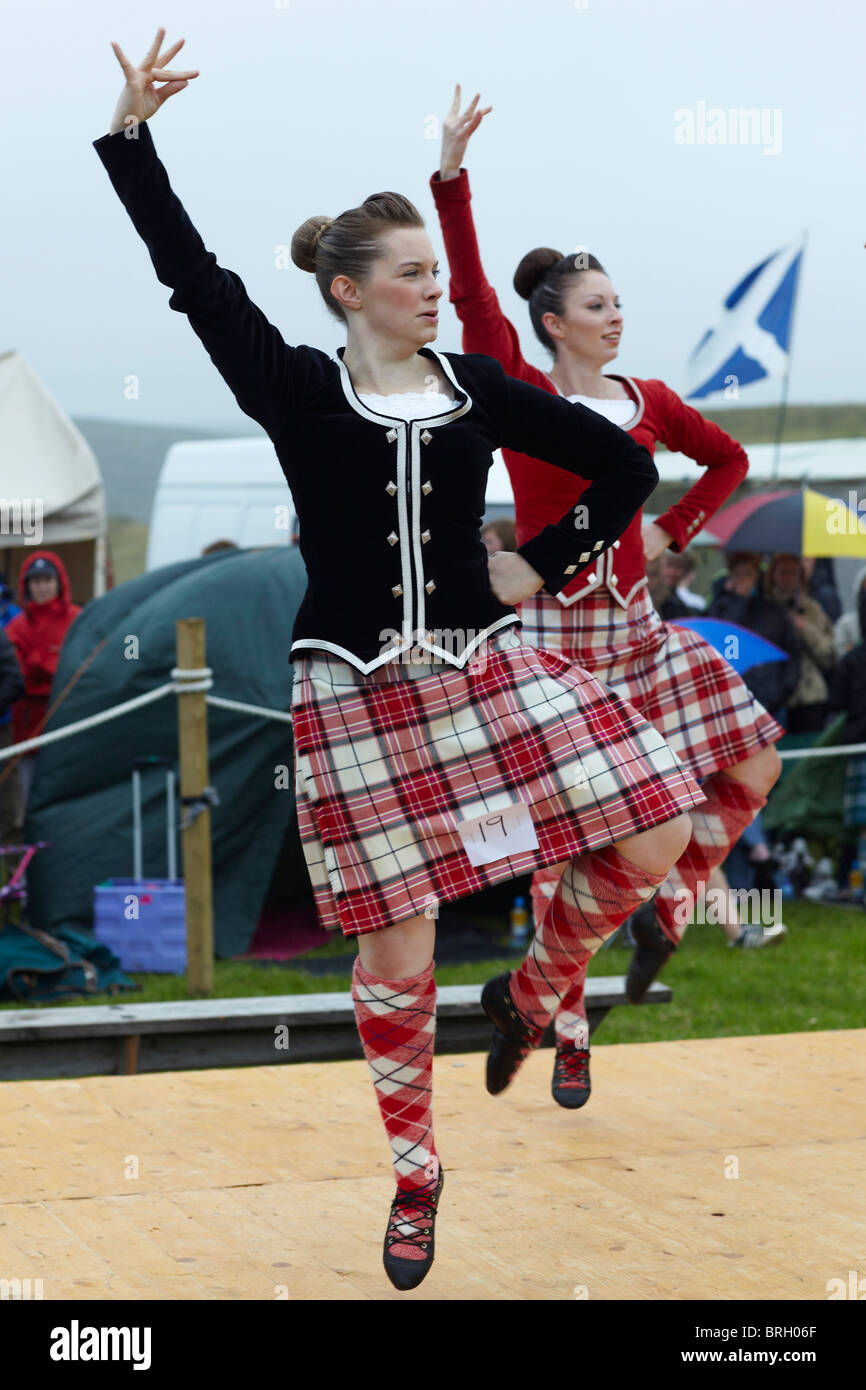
571 1085
513 1037
409 1239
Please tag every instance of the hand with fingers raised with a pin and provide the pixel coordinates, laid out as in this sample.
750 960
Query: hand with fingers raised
456 130
140 97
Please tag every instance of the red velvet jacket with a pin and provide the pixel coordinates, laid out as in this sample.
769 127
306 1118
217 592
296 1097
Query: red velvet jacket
542 493
37 634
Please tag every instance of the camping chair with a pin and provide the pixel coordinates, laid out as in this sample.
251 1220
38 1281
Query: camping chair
15 890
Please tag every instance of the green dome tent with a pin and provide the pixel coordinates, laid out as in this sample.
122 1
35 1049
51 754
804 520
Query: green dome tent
81 796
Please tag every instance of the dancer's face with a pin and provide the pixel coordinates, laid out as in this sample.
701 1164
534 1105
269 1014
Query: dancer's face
400 298
591 325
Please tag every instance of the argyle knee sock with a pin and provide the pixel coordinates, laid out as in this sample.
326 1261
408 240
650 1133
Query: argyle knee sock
572 1026
571 1023
542 889
596 893
397 1023
718 823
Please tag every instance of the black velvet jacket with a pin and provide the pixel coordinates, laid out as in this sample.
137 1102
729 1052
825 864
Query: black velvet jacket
390 511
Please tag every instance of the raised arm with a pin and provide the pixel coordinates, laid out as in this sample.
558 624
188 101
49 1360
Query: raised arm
485 327
247 350
575 438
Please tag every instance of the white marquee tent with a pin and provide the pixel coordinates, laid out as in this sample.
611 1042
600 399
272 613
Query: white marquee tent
51 488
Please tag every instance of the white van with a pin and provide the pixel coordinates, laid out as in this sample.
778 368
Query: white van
218 490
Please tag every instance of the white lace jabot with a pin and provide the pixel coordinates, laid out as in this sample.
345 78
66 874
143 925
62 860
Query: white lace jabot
619 412
409 405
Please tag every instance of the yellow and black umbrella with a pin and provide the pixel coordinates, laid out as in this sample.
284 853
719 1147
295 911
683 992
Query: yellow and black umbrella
804 522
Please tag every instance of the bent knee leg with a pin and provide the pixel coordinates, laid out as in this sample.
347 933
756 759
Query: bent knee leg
657 850
760 772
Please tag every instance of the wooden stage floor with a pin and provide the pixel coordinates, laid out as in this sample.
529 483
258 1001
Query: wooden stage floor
268 1182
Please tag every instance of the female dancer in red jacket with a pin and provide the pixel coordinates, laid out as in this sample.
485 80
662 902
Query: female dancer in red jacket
604 619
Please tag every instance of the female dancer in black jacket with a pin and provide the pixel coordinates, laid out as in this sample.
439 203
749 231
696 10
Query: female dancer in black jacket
434 753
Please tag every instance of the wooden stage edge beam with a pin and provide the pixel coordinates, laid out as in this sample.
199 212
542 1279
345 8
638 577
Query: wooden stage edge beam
126 1038
726 1168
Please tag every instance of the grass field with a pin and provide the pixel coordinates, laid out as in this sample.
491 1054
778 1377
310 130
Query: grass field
816 979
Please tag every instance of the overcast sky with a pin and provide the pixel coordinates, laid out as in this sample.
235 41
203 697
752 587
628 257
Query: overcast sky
308 106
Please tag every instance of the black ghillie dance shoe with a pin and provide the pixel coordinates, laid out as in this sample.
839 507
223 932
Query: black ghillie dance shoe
571 1084
412 1223
513 1038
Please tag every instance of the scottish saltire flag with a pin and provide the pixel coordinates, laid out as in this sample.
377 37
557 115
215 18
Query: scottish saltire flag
752 339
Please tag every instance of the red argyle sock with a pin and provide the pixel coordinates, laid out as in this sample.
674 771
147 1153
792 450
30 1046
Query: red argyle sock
572 1027
594 896
571 1023
544 884
718 823
397 1023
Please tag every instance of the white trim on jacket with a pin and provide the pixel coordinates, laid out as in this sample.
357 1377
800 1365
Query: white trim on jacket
408 435
604 575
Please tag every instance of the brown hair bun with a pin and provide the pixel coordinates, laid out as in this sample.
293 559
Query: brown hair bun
533 268
305 242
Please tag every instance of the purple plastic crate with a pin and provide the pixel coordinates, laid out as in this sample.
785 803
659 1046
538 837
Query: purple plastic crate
156 939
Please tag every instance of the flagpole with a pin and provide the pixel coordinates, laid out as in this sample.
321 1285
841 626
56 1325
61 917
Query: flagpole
783 406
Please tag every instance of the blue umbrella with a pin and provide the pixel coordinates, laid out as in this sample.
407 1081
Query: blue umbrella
738 645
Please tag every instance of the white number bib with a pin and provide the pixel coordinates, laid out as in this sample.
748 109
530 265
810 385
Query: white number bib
498 834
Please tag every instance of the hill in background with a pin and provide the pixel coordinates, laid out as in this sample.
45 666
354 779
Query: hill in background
758 425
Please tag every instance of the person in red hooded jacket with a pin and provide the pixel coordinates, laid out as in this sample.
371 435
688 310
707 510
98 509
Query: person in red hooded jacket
37 634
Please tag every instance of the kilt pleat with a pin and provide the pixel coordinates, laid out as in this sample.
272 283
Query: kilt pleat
388 765
675 679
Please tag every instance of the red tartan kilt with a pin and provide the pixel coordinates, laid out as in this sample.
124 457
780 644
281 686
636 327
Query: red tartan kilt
387 765
678 682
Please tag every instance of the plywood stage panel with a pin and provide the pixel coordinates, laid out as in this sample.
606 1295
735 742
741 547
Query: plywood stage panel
716 1168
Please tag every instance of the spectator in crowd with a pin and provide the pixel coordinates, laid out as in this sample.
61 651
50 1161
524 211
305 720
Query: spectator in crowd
740 601
851 626
678 570
665 602
11 801
748 935
786 583
8 609
499 535
38 633
219 545
822 585
847 694
11 689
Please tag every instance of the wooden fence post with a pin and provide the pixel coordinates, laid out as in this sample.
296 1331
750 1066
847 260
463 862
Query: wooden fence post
192 746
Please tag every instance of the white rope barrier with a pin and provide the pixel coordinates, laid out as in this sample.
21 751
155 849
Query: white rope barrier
219 703
187 682
192 680
89 723
843 748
